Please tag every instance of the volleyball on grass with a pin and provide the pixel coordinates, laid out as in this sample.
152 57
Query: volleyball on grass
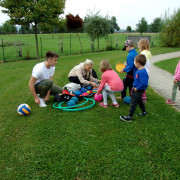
23 109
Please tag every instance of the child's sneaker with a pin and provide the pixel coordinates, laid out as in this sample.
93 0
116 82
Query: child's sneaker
115 105
126 118
103 105
142 114
170 102
42 103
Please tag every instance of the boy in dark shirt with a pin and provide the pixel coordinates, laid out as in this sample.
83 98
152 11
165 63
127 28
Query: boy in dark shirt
139 85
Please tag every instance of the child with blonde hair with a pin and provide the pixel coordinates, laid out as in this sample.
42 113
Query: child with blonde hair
144 48
175 85
110 83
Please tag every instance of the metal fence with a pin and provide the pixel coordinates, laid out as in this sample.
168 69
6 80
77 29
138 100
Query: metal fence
23 47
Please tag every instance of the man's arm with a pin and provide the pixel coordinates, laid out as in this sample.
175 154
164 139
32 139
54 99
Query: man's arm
32 89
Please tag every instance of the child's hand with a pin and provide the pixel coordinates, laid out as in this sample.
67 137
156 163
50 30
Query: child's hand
135 90
175 81
94 85
122 70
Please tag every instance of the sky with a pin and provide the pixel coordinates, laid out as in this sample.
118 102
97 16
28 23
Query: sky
127 12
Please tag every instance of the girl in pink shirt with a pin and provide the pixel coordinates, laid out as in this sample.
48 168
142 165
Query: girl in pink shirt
175 85
110 83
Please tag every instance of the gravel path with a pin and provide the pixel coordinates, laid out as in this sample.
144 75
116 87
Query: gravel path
162 81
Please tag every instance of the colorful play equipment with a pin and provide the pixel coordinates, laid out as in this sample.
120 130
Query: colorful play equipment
57 105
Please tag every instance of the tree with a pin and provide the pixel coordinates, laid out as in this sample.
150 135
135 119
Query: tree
170 33
62 26
128 29
142 26
8 28
114 25
74 23
97 27
25 29
156 25
37 13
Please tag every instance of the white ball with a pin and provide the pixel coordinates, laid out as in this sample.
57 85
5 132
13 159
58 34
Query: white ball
23 109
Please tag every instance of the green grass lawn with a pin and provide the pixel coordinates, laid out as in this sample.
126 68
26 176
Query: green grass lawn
50 42
168 65
91 144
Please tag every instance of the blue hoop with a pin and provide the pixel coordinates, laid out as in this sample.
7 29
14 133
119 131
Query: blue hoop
78 109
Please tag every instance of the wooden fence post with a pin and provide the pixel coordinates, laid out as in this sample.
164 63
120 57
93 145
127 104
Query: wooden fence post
3 50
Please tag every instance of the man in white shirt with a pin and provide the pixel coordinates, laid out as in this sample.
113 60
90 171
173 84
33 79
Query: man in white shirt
41 84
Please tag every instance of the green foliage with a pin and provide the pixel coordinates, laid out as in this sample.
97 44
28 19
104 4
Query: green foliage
142 26
97 27
33 12
25 29
170 34
128 29
61 28
37 13
8 28
114 25
156 25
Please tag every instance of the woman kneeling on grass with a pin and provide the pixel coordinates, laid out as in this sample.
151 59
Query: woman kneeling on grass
110 83
82 74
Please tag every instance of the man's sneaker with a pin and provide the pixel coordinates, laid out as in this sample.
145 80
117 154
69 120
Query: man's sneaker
115 105
126 118
142 114
42 103
170 102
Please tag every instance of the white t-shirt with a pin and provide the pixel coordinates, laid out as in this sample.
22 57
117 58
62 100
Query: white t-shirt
148 57
41 72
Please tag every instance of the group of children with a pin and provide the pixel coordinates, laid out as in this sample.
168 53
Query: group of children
136 79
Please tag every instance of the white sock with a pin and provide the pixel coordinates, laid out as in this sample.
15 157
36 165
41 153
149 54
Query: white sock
42 103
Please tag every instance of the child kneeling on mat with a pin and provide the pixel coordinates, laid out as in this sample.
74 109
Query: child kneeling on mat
110 83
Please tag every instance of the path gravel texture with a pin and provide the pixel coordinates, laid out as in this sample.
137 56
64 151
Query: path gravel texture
162 81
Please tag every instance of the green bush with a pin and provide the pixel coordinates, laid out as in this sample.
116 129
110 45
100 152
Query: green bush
170 34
